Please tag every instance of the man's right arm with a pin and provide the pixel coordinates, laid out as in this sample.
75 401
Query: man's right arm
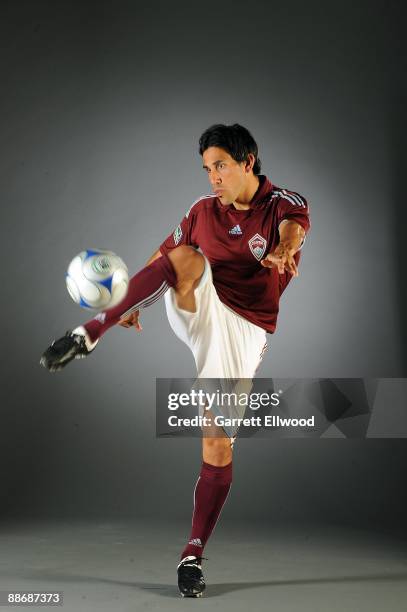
181 235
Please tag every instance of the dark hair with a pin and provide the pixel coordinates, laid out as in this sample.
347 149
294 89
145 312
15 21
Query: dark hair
235 139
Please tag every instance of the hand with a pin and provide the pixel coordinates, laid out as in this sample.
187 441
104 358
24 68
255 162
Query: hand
132 320
282 258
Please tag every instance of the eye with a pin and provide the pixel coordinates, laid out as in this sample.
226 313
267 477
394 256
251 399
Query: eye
221 165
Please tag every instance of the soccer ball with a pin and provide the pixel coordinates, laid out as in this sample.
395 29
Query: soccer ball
97 279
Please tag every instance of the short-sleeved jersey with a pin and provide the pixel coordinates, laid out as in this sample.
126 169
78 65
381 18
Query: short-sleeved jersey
235 241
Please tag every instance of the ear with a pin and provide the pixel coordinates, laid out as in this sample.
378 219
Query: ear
249 163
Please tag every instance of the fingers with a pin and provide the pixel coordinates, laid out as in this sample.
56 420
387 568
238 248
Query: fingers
132 320
126 324
291 266
267 263
283 262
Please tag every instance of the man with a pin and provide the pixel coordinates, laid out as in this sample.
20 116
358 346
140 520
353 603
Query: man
221 301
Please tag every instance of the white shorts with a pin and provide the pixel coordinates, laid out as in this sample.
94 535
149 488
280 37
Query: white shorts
224 344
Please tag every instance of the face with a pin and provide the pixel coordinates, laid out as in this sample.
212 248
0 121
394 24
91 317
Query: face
227 177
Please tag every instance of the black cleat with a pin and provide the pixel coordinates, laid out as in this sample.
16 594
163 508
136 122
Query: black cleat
191 582
62 351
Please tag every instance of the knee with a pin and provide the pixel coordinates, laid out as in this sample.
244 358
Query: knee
217 451
187 262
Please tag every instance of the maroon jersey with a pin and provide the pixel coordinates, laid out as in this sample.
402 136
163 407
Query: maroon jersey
234 241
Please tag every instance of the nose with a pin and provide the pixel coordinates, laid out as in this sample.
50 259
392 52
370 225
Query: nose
214 178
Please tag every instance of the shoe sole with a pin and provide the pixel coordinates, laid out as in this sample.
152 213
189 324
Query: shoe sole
196 595
56 367
53 367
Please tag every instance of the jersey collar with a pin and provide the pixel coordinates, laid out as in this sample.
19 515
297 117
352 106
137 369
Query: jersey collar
264 189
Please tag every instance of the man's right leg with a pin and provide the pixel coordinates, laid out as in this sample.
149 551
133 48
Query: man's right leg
211 490
182 269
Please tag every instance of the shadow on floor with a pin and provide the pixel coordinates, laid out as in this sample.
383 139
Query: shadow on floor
213 590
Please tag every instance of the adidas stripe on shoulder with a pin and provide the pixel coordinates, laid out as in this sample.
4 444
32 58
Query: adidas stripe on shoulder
292 196
211 195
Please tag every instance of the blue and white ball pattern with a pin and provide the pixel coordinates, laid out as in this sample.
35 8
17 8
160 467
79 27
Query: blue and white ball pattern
97 279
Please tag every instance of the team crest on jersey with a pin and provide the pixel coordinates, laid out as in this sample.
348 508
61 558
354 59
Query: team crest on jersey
177 235
257 245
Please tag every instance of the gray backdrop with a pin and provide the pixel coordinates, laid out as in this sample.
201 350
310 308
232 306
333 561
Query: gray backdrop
102 107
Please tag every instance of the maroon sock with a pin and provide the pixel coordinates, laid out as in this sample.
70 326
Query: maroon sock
145 288
211 490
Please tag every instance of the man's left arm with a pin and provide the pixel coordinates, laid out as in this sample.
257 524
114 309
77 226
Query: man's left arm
292 236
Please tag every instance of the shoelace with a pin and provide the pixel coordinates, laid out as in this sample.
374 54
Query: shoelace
193 562
65 342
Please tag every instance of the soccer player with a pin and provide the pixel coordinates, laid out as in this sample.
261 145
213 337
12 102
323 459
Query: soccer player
221 300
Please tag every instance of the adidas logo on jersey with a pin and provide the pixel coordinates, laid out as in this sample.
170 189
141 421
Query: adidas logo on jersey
236 231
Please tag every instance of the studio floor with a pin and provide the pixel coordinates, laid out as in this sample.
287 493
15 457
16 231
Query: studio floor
127 565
